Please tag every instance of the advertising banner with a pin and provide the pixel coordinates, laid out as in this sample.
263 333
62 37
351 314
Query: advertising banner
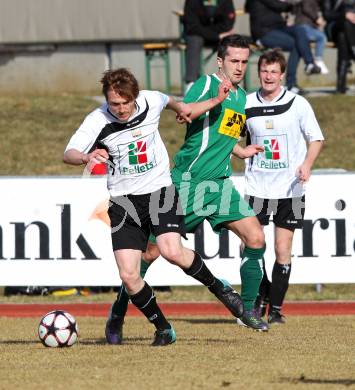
54 231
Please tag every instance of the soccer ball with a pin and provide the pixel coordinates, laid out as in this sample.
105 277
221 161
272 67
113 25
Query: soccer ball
58 329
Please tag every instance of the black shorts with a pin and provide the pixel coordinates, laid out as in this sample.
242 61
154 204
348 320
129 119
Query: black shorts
287 213
134 217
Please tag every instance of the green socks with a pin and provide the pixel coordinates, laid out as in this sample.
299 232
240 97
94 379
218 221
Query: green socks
119 307
251 273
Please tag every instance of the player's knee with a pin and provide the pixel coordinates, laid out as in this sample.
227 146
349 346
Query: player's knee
283 253
283 250
129 278
255 240
172 253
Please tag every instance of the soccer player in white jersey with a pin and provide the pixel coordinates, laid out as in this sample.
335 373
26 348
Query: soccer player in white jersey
285 125
124 132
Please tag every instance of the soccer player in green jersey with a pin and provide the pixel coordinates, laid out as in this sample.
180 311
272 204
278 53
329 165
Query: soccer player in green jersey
201 175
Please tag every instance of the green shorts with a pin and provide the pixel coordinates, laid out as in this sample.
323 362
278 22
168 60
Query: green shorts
216 200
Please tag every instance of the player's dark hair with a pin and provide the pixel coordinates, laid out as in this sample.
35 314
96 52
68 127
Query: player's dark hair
234 40
273 56
122 82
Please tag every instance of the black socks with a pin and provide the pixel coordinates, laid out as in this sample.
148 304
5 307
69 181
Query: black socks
264 289
145 301
280 280
199 271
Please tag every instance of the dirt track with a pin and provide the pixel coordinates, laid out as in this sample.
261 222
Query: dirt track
173 309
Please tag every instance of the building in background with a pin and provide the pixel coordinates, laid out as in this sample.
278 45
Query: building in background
61 46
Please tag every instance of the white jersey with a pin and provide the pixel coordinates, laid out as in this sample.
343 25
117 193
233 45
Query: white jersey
139 162
283 127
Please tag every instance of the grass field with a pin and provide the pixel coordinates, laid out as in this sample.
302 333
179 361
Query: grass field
35 131
210 353
301 292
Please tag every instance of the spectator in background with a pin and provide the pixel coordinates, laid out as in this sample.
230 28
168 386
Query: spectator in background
269 28
308 14
205 23
340 29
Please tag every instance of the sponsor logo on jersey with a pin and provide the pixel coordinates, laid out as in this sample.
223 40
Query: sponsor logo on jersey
137 153
272 150
136 132
275 155
232 123
269 124
137 159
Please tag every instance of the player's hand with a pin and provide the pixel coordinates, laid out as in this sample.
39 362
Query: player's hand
320 22
226 33
184 113
98 156
252 150
350 16
303 173
223 90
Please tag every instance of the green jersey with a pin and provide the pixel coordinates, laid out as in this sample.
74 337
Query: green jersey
210 138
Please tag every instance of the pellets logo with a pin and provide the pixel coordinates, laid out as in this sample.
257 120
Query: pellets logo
137 159
272 149
275 154
137 153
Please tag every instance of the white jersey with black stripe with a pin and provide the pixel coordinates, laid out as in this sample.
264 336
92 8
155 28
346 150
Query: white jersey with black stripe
283 127
139 162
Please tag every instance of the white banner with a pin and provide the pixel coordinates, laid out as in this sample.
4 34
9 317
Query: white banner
54 232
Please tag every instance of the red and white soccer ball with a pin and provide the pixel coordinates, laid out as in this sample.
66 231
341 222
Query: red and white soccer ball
58 328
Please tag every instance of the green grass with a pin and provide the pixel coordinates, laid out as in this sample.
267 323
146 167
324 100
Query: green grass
336 117
210 353
299 292
35 131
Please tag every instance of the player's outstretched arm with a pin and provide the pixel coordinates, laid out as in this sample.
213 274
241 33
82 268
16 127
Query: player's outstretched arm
183 111
189 111
200 108
75 157
248 151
